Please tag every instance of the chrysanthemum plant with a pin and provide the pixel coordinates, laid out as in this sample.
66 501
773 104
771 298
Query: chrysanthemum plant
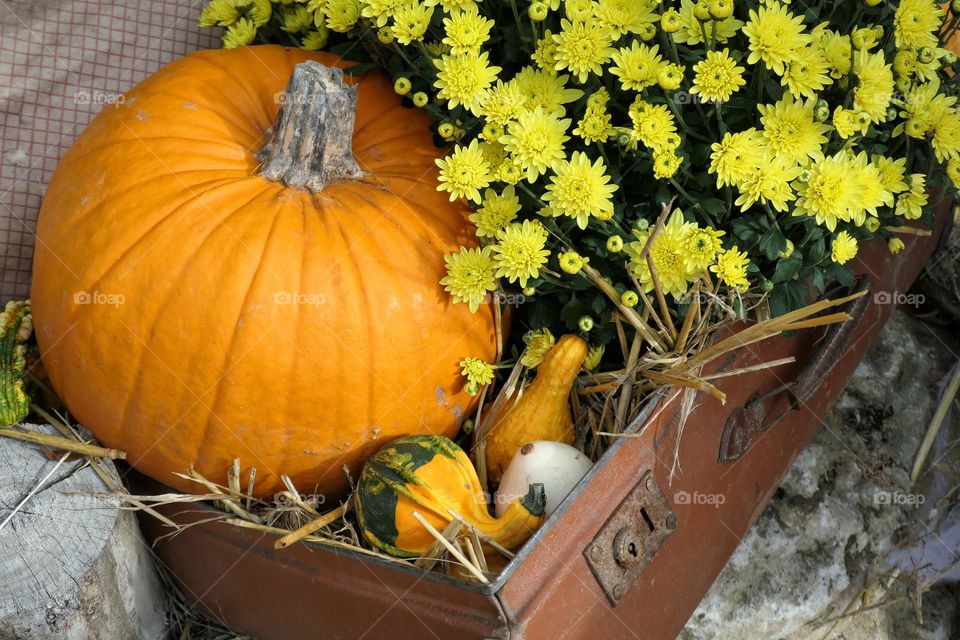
628 153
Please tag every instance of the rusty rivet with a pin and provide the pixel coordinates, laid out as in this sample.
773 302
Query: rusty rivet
596 552
650 484
619 591
671 522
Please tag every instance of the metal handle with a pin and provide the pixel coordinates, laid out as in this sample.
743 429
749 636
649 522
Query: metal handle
747 422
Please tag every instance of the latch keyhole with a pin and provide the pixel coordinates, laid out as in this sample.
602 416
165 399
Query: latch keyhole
627 547
647 519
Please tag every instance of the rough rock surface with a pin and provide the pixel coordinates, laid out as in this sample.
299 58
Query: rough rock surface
838 511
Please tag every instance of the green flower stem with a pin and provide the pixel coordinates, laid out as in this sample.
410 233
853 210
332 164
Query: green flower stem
693 201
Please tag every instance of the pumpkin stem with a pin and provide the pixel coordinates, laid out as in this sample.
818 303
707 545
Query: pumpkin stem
311 142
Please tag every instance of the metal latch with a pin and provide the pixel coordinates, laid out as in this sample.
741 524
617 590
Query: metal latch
629 538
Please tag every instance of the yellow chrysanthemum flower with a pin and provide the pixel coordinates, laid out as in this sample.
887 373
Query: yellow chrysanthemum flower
654 125
454 6
497 211
828 195
581 189
953 171
536 141
380 11
220 13
731 268
341 15
892 172
410 22
545 54
807 73
501 103
595 124
538 344
922 108
849 122
315 39
621 17
583 48
873 191
717 77
701 247
836 48
546 89
915 23
690 29
768 183
464 172
790 129
637 66
946 137
477 372
469 276
774 35
874 85
735 156
666 163
240 33
520 252
910 203
463 79
668 254
466 32
296 18
594 356
843 248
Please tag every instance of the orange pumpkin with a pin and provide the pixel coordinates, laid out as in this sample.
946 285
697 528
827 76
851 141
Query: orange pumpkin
191 311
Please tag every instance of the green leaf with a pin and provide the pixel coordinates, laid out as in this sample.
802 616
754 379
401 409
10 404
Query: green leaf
787 297
787 269
772 243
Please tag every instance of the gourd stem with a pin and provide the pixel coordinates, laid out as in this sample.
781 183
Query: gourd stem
311 141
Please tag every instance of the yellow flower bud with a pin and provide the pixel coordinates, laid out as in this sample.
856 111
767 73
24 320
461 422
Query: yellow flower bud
872 225
669 77
420 99
629 299
538 11
445 130
670 21
701 10
721 9
872 3
571 262
614 244
787 250
895 245
385 35
585 323
647 32
402 86
926 55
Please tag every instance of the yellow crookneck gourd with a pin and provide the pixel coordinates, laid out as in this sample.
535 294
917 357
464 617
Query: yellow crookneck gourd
542 413
432 476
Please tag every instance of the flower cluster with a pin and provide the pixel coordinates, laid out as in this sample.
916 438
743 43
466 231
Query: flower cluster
788 134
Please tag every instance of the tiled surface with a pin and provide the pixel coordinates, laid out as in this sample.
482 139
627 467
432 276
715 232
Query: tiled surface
61 62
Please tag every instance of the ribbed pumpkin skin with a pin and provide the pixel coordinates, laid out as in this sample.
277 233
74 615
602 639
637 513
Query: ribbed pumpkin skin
205 359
